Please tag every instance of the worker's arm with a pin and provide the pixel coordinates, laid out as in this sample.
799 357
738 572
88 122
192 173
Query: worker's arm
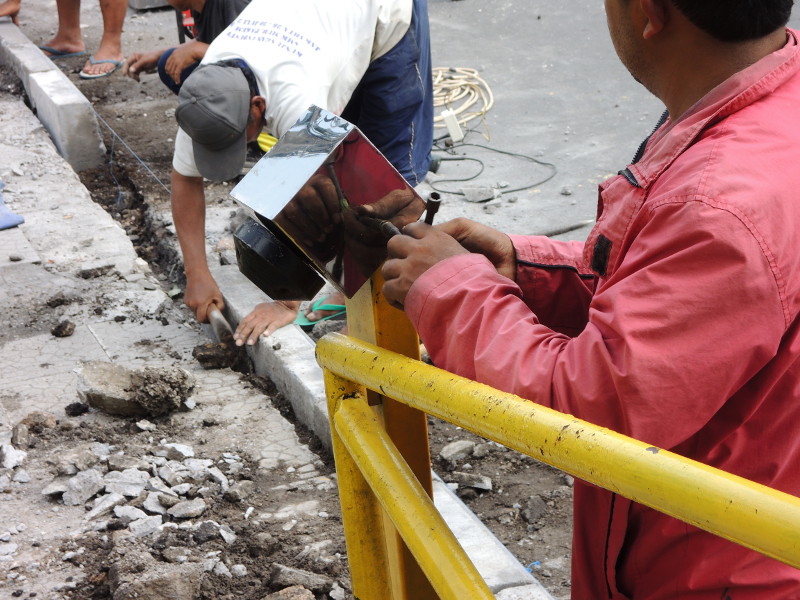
183 56
189 216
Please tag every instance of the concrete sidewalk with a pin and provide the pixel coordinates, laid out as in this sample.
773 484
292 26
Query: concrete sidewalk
67 241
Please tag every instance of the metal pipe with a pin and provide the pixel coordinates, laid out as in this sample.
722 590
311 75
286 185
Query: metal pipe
745 512
412 512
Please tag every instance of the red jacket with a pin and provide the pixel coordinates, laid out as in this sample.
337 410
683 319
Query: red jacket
676 323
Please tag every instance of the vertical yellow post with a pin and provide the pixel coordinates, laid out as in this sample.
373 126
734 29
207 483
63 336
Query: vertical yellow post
362 514
370 318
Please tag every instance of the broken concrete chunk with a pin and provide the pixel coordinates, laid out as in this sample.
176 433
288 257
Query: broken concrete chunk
104 504
117 390
83 486
153 506
145 526
145 425
178 451
457 451
10 457
283 575
20 436
129 513
161 390
56 487
188 509
295 592
130 482
105 386
473 480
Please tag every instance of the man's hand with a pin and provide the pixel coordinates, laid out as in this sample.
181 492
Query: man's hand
141 62
183 56
410 255
265 319
494 245
201 292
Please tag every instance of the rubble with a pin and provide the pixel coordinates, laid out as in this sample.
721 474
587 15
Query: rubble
117 390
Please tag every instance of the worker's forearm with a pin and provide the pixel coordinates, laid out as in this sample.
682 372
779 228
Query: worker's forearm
189 216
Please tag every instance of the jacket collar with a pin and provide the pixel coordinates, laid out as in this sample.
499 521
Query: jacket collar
672 138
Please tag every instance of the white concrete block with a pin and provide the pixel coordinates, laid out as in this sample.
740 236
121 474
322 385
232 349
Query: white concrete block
69 117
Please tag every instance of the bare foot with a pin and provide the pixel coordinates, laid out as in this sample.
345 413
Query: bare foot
10 8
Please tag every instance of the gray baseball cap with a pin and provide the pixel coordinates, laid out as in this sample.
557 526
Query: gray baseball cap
214 103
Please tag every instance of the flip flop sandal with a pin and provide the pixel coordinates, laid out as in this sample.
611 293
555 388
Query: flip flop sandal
339 312
117 64
56 53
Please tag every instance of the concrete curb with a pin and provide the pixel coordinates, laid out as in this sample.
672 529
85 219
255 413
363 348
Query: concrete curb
287 356
63 110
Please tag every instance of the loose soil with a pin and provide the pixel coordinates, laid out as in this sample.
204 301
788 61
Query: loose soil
528 508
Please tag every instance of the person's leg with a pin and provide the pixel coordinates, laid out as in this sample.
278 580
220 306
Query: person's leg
68 37
111 43
393 104
10 8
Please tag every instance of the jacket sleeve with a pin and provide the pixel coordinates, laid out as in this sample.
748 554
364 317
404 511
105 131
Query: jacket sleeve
554 282
690 314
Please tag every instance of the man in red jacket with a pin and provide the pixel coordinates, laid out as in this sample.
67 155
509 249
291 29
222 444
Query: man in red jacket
678 321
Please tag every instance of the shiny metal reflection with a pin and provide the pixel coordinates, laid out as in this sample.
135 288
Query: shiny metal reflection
334 196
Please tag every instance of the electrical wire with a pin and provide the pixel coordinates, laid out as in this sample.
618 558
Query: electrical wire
463 91
436 184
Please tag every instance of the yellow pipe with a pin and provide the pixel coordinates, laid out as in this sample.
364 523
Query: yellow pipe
434 546
362 515
748 513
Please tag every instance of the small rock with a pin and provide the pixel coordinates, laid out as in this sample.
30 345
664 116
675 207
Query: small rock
283 575
456 451
227 534
10 457
239 571
472 480
239 491
83 486
63 329
188 509
129 513
21 476
152 504
178 451
55 487
145 425
295 592
104 504
175 554
130 482
146 526
76 409
20 436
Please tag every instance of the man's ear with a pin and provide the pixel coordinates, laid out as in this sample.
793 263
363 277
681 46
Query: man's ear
657 15
259 103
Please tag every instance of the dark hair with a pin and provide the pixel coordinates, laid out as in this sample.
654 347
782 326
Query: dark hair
737 20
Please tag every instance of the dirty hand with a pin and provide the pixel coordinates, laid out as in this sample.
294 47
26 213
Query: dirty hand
480 239
265 319
200 293
141 62
410 255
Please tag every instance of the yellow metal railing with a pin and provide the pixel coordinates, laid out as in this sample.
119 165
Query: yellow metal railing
372 475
